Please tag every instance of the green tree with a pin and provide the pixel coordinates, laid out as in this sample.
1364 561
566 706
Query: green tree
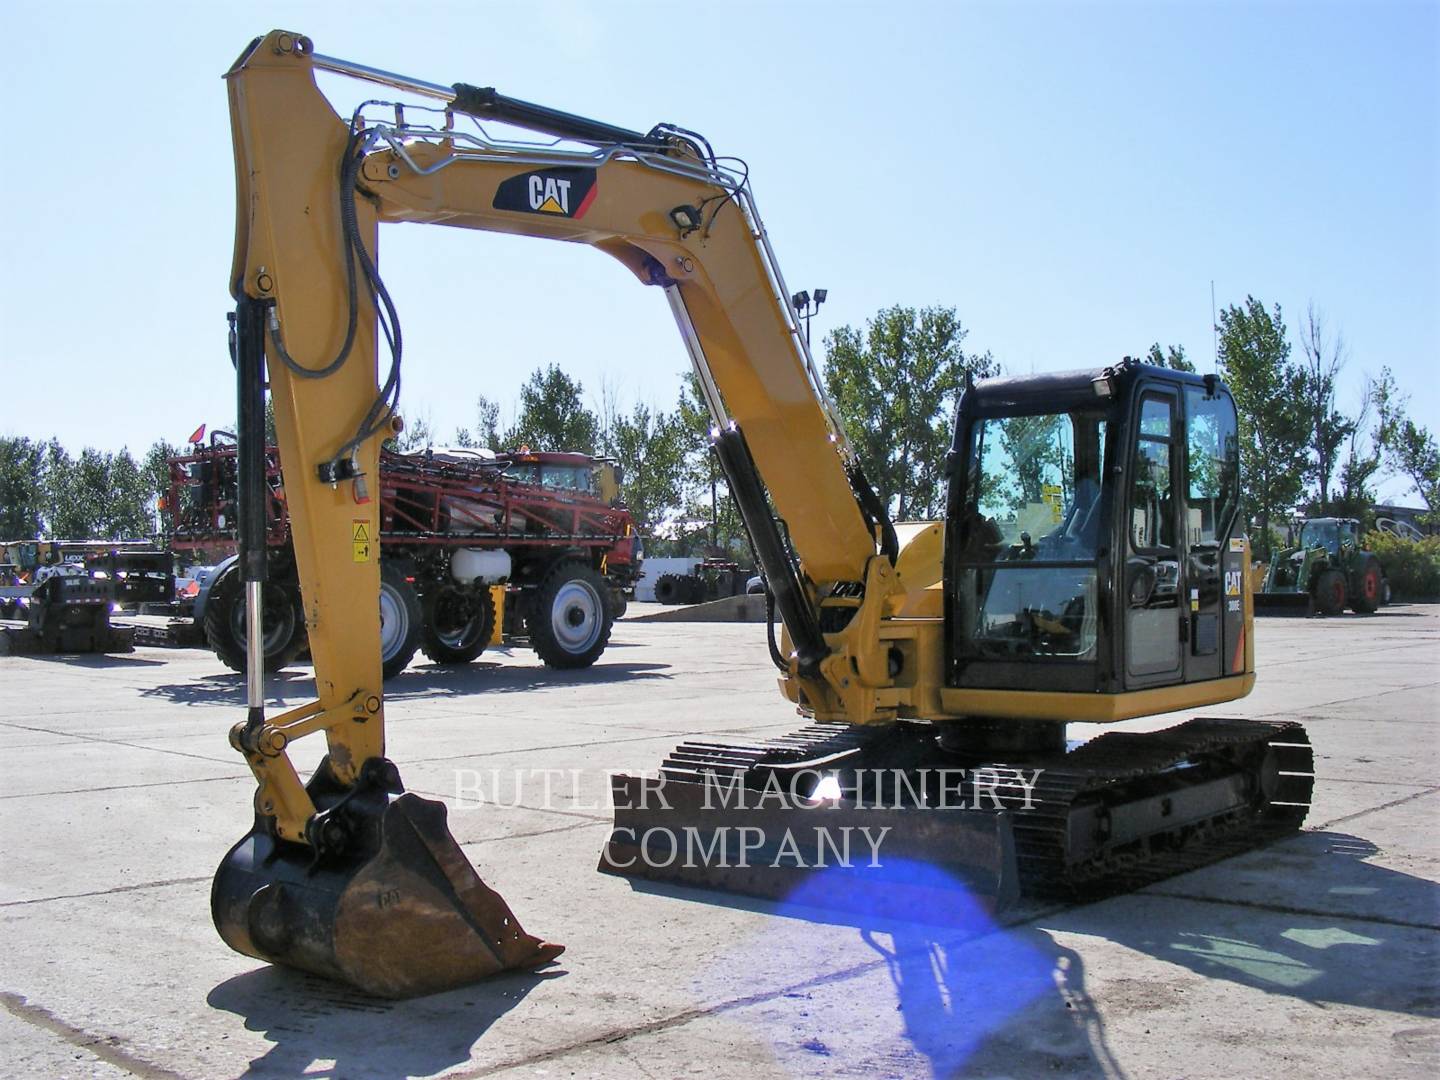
650 447
65 513
1408 449
895 384
125 506
1328 428
155 470
96 496
709 520
486 433
1355 497
1172 357
21 491
92 491
1274 428
1032 444
553 415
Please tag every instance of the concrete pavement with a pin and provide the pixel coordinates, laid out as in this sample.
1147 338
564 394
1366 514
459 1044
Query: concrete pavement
1316 957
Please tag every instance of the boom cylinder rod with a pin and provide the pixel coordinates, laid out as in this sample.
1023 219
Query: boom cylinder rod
485 103
384 78
250 410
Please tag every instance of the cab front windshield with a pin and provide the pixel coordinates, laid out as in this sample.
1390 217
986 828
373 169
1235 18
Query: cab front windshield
1029 535
563 477
1321 534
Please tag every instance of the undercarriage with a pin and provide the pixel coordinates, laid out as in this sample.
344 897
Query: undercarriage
866 806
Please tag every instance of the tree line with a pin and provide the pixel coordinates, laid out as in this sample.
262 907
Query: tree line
1300 448
895 382
94 495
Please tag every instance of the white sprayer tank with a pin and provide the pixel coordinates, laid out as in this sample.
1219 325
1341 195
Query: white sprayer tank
476 564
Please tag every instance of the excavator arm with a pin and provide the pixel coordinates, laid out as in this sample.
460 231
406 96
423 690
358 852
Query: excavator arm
962 653
312 189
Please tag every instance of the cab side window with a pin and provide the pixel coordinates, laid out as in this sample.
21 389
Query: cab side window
1212 463
1152 518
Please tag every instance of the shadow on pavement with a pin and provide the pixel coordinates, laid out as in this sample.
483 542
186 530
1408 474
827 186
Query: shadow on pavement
479 677
311 1022
984 998
91 660
1330 928
425 680
228 688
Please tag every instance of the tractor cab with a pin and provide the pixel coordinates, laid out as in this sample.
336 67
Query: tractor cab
1094 544
1334 535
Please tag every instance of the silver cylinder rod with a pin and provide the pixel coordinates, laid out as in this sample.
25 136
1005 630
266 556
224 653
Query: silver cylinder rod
385 78
254 646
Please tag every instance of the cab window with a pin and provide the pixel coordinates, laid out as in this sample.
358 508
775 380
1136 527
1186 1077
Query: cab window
1152 519
1029 536
1212 466
1035 487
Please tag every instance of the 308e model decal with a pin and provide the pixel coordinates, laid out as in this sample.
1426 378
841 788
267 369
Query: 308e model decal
565 192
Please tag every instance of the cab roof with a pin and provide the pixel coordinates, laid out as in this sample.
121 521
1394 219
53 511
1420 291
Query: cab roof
1064 391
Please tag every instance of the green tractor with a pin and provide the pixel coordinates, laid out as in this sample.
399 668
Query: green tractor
1325 570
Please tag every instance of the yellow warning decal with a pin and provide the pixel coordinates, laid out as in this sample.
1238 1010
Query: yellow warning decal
360 540
1055 496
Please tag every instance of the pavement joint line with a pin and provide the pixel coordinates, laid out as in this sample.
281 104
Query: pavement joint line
139 886
1327 779
100 1046
1288 909
1347 701
125 787
593 818
1373 809
131 745
531 834
1421 638
42 731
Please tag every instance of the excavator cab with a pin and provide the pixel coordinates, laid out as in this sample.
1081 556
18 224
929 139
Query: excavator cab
1095 544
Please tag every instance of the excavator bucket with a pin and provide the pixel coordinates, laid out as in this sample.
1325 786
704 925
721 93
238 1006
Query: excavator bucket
407 916
818 819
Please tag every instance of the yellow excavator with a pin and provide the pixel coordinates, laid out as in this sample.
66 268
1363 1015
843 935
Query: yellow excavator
1091 566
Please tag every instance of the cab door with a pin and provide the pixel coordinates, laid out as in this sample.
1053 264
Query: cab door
1213 567
1154 597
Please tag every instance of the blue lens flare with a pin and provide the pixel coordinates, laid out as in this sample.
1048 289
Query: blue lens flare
892 890
960 981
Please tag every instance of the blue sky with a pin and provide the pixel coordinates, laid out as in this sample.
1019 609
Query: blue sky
1071 177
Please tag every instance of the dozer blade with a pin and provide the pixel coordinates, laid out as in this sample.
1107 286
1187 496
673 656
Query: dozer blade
1284 603
739 820
406 916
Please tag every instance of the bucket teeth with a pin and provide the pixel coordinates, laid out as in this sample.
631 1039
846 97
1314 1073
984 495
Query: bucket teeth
410 917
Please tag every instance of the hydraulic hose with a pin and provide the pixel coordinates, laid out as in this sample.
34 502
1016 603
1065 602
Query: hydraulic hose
781 575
